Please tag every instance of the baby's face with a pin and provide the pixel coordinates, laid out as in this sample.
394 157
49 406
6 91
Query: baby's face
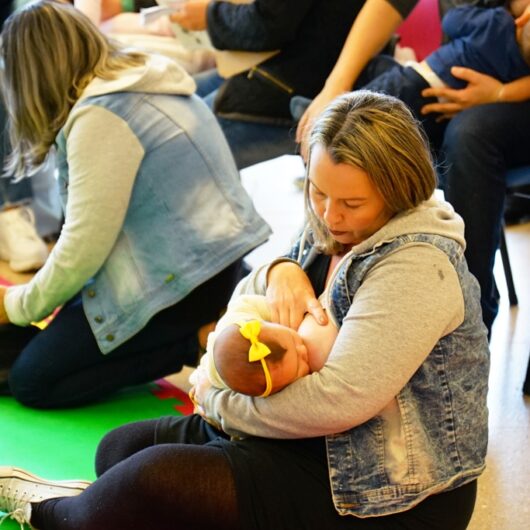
294 363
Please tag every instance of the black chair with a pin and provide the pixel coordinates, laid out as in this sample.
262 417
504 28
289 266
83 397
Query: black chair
515 178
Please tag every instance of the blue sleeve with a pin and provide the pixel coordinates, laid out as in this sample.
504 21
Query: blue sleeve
463 21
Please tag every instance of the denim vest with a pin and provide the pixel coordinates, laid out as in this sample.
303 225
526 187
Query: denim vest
188 217
442 408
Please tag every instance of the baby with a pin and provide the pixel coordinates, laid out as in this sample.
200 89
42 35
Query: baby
251 355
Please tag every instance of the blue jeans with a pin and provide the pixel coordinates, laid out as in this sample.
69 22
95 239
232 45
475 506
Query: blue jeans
250 142
62 365
479 146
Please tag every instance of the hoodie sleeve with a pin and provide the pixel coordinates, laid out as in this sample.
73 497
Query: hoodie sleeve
103 158
405 304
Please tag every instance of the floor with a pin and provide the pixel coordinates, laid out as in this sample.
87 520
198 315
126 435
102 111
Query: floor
504 489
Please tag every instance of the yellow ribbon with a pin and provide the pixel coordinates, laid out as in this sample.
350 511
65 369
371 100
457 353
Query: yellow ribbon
257 351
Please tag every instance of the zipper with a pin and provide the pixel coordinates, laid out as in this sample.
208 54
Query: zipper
271 78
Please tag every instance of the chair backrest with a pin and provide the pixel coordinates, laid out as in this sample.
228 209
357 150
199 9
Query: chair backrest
519 176
422 30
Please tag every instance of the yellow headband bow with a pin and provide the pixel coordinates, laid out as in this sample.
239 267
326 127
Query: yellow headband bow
257 351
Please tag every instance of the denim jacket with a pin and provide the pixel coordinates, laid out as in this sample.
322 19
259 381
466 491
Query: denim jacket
188 175
442 409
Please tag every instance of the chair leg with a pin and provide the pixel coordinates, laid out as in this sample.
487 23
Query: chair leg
512 295
526 384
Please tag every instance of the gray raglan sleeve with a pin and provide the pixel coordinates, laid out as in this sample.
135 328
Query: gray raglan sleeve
103 159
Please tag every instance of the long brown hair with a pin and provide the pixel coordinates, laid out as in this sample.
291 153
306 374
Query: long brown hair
50 52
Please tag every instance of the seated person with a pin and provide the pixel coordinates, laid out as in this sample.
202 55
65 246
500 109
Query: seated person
122 16
245 335
122 20
476 34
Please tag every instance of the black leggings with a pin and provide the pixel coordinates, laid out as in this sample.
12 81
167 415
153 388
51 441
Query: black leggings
145 483
62 366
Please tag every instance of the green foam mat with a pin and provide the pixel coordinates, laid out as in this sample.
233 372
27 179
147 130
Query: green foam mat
61 444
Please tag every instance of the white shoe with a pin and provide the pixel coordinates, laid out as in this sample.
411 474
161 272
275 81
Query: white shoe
20 245
18 489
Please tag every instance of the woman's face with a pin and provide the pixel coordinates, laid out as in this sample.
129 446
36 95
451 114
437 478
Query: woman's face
344 199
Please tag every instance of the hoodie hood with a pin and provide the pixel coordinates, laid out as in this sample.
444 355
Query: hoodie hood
430 217
159 75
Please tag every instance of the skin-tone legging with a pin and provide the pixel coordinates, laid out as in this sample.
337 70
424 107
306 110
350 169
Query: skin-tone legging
167 487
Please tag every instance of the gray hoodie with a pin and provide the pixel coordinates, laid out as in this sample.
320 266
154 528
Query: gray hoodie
406 303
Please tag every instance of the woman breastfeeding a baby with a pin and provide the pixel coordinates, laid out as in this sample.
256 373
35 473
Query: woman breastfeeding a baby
390 432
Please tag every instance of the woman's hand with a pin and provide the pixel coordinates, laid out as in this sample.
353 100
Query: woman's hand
307 120
4 319
191 15
290 296
480 89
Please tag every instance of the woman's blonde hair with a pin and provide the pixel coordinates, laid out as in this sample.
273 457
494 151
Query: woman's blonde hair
378 134
50 52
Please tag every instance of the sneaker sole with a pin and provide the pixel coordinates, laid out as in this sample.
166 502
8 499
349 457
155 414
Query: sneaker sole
15 472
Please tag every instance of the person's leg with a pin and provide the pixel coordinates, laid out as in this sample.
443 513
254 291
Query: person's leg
252 142
127 440
480 144
63 366
160 473
166 487
207 84
13 339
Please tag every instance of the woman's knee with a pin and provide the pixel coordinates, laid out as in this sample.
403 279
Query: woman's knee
26 384
122 442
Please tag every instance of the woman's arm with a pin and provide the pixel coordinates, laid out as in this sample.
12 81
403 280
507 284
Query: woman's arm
262 25
373 27
103 159
389 331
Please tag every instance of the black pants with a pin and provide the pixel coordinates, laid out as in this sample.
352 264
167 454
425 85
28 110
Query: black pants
62 365
179 473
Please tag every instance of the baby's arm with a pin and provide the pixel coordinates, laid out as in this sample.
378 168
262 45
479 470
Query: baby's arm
318 339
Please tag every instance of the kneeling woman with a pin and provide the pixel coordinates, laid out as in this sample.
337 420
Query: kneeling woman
156 220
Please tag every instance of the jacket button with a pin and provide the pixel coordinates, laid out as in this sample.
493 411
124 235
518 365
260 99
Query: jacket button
99 319
91 293
110 337
169 278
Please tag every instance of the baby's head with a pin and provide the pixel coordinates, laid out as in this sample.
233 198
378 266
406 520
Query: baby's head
286 362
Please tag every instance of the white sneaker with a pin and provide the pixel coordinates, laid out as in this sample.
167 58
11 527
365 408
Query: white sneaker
18 489
20 245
